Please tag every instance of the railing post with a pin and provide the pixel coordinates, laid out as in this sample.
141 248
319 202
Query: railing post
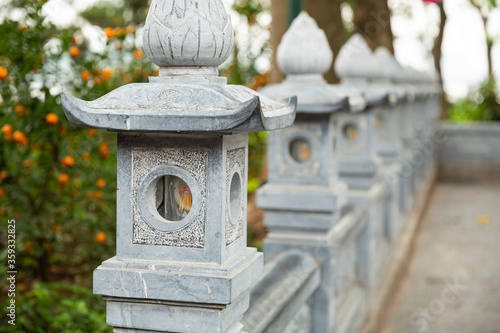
304 200
182 264
390 147
359 164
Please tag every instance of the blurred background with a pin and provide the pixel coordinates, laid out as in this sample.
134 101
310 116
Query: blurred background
59 182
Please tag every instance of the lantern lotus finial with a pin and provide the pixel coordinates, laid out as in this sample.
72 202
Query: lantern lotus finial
188 34
355 59
304 48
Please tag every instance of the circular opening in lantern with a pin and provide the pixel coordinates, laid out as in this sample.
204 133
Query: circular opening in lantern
173 198
300 150
235 198
350 131
379 120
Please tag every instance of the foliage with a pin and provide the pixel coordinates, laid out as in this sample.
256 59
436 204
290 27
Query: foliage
56 180
59 181
121 14
482 104
58 308
242 69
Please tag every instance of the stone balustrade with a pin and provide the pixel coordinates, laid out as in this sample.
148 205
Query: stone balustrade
348 179
347 182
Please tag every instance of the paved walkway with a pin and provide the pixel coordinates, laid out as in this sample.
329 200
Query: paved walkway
453 280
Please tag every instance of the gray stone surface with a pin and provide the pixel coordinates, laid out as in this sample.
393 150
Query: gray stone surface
180 105
198 33
341 301
469 151
160 316
453 282
201 235
279 301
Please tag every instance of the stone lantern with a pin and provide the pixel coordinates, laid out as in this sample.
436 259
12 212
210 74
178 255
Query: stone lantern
304 201
182 264
359 164
391 123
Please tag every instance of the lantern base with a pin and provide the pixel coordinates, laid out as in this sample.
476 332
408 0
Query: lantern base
179 282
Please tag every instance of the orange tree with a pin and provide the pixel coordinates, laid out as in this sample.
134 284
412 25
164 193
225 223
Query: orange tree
58 181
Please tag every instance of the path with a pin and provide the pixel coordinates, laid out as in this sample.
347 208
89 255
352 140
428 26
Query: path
453 279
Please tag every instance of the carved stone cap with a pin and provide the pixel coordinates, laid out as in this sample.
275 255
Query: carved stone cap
355 60
188 33
304 48
174 107
387 67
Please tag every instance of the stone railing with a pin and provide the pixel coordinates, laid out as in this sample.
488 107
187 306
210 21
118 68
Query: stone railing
347 182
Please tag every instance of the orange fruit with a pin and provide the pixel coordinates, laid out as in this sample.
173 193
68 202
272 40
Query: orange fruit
56 228
109 32
74 51
19 137
101 182
86 156
97 81
49 248
130 29
138 54
106 74
4 73
1 192
7 130
63 178
85 75
3 174
19 109
51 119
100 237
27 246
104 150
118 31
22 26
27 163
98 195
92 132
68 161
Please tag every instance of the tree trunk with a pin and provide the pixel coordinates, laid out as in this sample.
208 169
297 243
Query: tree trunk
279 25
372 19
438 41
489 44
436 53
327 15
